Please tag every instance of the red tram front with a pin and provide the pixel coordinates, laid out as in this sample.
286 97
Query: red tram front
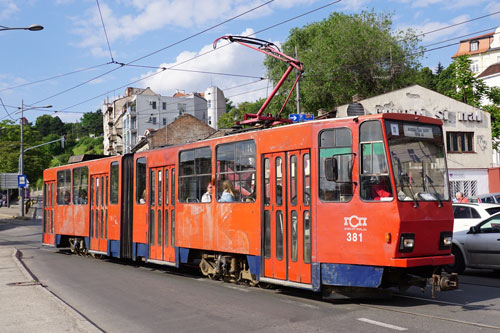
344 205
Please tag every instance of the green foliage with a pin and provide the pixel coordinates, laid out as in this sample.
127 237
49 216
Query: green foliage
229 119
91 123
47 124
458 82
346 55
88 145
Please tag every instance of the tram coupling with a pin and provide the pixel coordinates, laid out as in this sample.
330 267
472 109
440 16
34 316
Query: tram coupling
443 282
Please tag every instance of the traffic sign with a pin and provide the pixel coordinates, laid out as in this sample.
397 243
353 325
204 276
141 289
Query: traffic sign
21 181
298 117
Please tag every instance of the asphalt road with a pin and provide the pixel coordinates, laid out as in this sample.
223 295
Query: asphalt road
123 297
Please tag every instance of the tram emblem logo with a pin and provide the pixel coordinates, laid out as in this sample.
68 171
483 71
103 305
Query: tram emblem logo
355 221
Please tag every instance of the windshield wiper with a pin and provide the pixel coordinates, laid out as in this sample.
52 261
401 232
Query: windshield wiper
403 177
436 194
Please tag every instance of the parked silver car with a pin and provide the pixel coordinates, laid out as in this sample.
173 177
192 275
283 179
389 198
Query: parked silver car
478 247
486 198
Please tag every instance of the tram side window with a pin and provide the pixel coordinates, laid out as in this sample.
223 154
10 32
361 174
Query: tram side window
140 180
80 185
336 143
195 173
374 177
113 193
236 165
64 187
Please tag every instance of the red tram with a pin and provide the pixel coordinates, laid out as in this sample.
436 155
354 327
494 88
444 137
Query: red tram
343 205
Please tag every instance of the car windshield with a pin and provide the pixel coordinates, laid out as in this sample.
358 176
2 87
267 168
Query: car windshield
418 161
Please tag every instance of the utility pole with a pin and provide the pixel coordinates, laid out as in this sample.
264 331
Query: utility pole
298 83
21 162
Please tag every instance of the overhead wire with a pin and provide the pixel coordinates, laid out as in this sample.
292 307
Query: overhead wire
105 33
155 52
199 55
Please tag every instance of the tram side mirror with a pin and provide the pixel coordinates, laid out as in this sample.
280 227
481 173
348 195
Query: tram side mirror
331 169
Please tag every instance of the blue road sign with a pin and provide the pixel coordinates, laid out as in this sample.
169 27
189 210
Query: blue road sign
297 117
21 180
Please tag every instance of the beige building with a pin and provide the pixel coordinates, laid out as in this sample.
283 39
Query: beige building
467 131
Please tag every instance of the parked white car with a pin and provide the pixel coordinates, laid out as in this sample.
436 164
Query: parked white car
467 215
478 247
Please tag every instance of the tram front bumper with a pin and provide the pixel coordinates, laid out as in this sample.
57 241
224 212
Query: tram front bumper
422 261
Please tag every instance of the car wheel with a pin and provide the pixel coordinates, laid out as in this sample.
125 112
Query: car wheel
459 265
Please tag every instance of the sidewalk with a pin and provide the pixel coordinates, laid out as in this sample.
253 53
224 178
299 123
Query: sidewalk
26 305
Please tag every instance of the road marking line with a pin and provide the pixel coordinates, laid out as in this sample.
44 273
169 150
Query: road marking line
378 323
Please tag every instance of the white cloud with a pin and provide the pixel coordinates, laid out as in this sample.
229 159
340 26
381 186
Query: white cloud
354 5
442 3
493 7
429 26
134 18
7 8
232 59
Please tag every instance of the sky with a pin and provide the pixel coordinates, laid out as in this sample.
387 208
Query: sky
74 63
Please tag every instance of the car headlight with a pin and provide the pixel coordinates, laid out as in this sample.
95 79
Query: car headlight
445 240
406 242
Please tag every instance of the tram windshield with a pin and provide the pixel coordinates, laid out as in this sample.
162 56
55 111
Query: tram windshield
418 161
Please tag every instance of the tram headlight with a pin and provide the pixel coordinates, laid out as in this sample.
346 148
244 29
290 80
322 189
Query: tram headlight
445 240
406 242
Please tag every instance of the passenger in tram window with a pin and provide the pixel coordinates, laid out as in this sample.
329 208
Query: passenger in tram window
228 192
142 200
67 198
82 198
207 196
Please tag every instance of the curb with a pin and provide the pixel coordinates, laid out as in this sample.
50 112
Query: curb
82 323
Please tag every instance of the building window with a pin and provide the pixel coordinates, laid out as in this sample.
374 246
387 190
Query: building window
209 103
164 105
474 66
153 105
474 46
153 120
181 107
460 142
164 121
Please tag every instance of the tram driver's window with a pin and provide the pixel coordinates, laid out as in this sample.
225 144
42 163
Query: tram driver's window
374 177
336 143
140 180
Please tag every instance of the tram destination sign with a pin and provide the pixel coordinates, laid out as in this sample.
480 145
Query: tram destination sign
418 131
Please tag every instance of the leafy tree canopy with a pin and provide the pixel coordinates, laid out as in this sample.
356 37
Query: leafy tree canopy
345 55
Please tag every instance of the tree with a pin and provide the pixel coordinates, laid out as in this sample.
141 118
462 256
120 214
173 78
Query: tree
346 55
458 82
229 119
91 123
47 124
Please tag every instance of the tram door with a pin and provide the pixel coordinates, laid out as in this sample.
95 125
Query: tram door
287 220
299 216
99 200
275 228
48 212
161 214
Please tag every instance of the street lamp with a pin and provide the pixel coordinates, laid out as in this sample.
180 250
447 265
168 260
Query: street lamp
21 156
33 27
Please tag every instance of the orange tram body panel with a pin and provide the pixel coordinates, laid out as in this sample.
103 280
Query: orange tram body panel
352 203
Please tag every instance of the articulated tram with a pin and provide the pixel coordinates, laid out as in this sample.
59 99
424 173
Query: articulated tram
342 205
